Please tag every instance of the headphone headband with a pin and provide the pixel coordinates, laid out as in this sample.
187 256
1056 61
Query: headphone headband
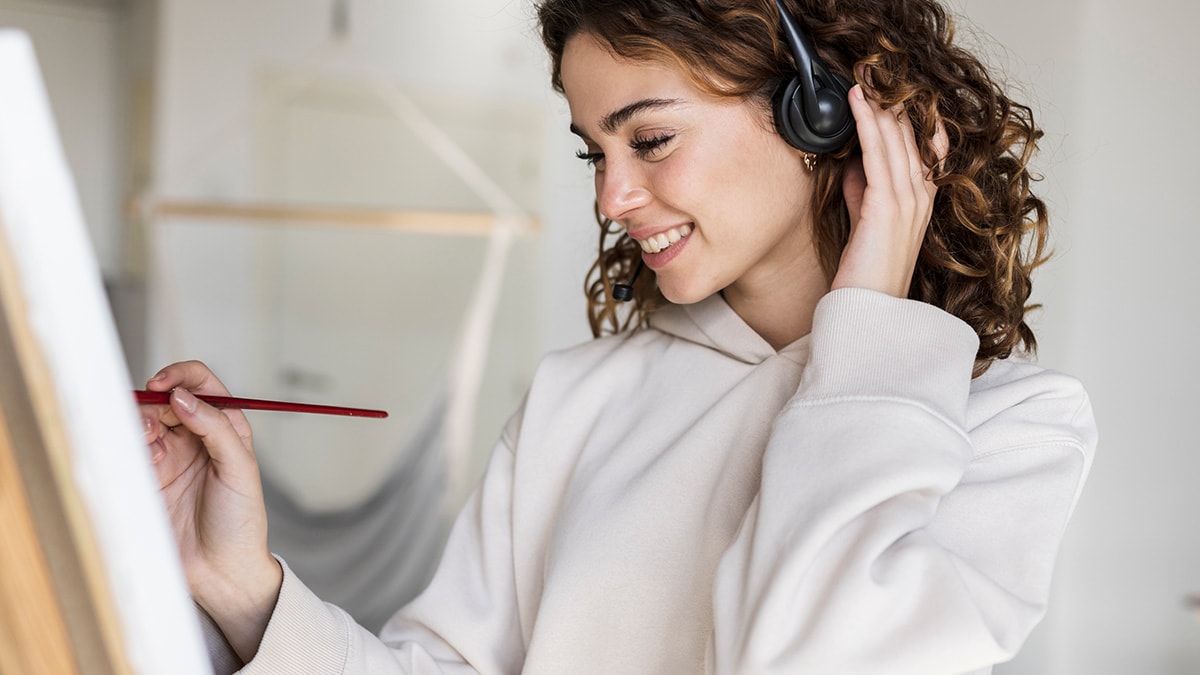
812 109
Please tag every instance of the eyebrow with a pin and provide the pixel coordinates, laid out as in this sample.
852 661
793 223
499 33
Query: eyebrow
613 121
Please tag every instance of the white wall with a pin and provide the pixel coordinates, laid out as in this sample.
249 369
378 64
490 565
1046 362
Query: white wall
213 52
1112 81
213 56
218 71
79 52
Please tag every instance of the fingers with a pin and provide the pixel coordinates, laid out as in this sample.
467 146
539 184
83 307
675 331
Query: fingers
941 140
191 375
891 160
889 200
225 444
918 173
154 432
874 151
195 377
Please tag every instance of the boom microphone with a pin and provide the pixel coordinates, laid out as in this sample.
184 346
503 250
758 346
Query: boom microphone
624 292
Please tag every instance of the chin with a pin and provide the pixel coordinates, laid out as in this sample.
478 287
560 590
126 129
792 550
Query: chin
685 293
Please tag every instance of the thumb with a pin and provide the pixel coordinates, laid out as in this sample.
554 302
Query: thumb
854 185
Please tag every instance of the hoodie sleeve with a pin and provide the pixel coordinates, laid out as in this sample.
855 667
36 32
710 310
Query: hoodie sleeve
464 622
886 537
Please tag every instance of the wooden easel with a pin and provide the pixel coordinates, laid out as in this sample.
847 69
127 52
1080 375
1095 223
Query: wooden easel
56 614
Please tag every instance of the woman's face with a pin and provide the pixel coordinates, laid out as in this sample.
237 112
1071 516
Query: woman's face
717 199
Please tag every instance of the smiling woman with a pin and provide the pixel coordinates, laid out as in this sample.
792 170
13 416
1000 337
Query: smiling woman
988 231
701 164
832 465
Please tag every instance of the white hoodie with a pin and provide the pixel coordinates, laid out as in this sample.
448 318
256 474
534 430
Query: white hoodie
684 499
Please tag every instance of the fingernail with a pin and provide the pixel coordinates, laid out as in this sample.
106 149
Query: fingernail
148 426
157 376
858 92
159 453
184 398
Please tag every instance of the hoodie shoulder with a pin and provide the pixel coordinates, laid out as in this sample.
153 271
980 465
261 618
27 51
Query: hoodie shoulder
1017 404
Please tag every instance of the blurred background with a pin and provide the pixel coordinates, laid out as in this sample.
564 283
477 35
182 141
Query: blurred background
376 203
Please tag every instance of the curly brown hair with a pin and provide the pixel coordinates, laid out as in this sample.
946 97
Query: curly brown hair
988 230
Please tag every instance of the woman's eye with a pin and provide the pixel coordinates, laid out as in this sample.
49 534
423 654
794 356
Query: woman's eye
643 148
646 148
592 158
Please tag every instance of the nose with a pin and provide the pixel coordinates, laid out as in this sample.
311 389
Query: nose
620 190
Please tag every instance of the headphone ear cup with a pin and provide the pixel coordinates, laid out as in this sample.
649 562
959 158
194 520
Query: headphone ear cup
789 113
833 111
825 129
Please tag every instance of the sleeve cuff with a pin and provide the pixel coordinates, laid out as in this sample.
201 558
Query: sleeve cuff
304 635
867 344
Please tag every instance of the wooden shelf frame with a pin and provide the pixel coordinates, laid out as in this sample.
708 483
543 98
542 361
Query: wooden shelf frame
454 223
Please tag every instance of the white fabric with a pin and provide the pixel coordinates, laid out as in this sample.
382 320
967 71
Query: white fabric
686 500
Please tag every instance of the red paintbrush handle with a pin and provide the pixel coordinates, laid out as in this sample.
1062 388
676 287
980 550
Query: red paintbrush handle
164 398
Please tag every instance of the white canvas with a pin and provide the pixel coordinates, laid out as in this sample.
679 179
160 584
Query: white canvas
68 314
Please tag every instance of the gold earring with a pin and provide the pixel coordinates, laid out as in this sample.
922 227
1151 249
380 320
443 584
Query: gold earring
810 161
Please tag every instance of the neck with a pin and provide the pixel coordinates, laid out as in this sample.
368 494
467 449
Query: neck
779 312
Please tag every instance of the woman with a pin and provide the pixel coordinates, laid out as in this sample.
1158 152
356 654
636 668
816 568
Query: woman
803 451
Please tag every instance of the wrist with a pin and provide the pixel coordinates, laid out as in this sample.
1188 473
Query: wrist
242 606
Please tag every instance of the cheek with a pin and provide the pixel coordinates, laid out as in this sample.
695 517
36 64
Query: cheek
701 180
751 165
777 164
776 182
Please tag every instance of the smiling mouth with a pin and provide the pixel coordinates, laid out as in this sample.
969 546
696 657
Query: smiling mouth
663 241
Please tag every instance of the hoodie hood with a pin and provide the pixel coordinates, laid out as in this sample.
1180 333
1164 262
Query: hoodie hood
713 323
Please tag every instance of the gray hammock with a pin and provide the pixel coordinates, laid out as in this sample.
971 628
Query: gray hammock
373 557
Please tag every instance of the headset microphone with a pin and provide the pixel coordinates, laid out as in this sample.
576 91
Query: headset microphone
624 292
812 109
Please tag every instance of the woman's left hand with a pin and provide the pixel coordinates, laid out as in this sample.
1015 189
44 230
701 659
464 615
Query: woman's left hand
889 195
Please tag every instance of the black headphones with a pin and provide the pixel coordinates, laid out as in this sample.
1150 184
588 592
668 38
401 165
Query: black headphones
812 109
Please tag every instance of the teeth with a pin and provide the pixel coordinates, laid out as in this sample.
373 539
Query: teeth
662 241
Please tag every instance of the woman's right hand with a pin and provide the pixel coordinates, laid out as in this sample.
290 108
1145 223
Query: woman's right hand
208 476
